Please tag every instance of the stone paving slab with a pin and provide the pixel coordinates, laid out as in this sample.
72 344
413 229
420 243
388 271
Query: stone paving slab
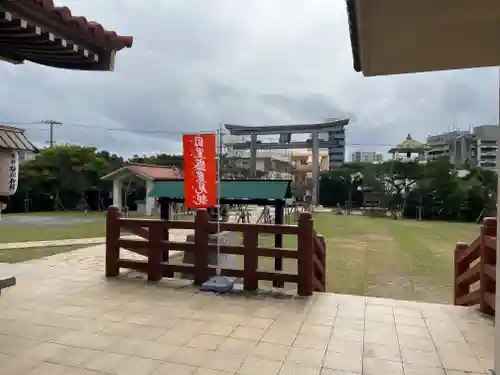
65 318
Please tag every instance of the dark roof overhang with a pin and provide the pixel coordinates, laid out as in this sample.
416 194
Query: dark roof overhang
38 31
353 33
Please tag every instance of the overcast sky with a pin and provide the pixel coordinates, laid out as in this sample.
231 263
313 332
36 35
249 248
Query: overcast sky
197 63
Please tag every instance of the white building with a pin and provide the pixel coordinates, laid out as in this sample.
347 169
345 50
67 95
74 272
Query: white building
367 157
229 141
25 156
478 147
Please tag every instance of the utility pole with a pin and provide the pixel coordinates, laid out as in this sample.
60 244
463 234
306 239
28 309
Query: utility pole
51 124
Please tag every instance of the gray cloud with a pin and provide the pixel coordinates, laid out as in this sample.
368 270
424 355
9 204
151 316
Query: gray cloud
195 64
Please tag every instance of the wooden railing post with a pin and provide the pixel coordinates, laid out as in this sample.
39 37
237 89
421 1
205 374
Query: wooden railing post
201 247
155 255
166 254
250 260
321 254
460 267
305 254
112 236
487 258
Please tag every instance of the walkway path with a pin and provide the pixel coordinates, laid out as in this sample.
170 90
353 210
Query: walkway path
175 235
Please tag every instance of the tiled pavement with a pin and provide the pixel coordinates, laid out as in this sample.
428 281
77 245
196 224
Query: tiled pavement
64 318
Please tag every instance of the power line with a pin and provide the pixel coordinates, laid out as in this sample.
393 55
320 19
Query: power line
145 131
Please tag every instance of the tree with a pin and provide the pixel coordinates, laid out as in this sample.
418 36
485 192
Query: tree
400 179
61 175
176 161
435 190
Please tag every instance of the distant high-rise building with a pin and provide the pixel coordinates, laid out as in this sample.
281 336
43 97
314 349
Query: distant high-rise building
336 152
367 157
478 147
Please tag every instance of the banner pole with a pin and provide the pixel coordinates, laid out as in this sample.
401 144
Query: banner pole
218 283
219 133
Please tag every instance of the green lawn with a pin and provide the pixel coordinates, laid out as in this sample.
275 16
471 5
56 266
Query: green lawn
91 214
22 255
30 233
402 259
59 232
54 232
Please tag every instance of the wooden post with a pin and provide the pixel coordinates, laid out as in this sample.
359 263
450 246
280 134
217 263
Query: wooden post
306 250
112 237
201 247
487 258
460 267
155 269
321 254
278 240
250 260
165 215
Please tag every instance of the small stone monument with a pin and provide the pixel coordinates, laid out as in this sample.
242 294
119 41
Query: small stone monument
225 260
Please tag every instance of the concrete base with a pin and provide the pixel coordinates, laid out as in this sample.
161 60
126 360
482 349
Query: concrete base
7 281
218 284
225 260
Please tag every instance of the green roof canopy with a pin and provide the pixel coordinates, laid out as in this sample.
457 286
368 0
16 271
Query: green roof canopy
230 190
409 145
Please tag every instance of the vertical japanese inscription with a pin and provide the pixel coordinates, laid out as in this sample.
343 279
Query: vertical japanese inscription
199 170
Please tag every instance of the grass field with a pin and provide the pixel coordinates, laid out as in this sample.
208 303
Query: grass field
59 232
55 232
402 259
62 232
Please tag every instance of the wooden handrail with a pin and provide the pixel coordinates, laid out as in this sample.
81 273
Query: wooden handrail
155 245
475 266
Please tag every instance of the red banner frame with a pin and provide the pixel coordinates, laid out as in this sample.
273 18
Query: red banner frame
200 170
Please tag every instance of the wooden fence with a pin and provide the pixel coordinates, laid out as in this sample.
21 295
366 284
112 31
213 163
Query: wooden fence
155 245
475 269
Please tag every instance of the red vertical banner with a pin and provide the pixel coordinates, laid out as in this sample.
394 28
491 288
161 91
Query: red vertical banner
200 170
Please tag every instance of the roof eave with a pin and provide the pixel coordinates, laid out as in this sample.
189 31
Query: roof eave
113 175
63 22
353 34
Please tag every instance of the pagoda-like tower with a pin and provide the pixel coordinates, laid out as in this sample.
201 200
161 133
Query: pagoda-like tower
409 150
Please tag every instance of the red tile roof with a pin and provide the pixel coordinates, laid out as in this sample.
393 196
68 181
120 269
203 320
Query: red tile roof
87 28
155 172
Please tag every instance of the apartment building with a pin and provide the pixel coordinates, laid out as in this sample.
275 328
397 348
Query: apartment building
485 147
442 144
276 163
302 164
230 148
366 157
476 147
264 163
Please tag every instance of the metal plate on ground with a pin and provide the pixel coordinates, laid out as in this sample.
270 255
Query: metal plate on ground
218 284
